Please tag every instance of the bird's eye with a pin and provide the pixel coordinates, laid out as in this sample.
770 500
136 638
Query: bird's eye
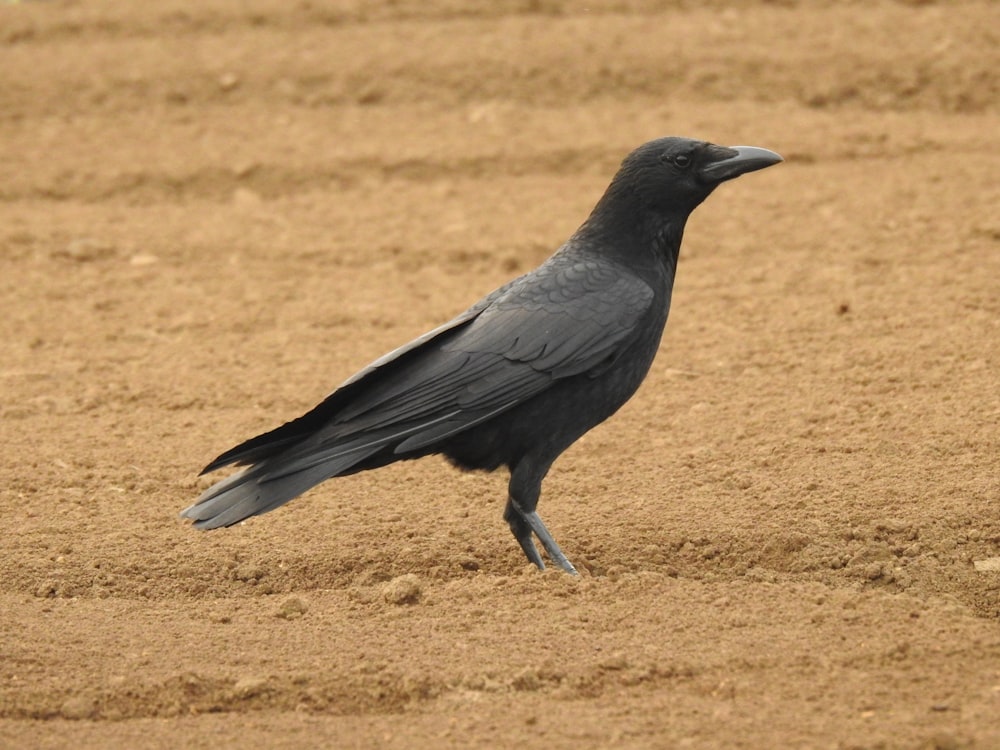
681 161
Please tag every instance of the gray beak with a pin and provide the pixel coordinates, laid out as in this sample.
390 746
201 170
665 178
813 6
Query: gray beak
737 160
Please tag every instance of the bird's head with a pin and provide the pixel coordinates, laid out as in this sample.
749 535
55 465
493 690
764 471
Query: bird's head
663 181
677 174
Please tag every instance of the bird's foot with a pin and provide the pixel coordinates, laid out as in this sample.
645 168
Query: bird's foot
530 550
523 524
555 554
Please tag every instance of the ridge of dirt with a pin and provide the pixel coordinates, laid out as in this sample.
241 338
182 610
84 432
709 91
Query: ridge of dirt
627 57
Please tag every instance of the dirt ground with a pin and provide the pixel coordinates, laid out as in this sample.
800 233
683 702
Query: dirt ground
212 213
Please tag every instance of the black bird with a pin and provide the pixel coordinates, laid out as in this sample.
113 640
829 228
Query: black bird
519 376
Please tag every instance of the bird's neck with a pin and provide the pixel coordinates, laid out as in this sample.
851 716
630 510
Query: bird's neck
639 240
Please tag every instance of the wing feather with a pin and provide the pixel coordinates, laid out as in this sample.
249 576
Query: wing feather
548 327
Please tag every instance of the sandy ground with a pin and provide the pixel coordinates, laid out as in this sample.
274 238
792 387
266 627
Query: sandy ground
212 213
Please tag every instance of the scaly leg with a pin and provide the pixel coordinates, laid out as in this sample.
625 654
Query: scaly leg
522 524
522 532
524 489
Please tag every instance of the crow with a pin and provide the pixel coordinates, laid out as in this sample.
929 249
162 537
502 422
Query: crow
518 377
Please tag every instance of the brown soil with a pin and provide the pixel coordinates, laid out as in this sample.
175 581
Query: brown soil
214 212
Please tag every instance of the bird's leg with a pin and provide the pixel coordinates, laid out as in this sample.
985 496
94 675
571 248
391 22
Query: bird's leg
522 532
524 489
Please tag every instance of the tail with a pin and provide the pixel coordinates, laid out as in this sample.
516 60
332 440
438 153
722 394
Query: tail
268 484
287 461
279 476
404 405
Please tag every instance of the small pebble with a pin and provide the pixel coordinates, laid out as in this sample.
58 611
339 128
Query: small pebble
404 589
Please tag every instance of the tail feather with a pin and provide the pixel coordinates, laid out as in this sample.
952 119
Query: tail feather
251 492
